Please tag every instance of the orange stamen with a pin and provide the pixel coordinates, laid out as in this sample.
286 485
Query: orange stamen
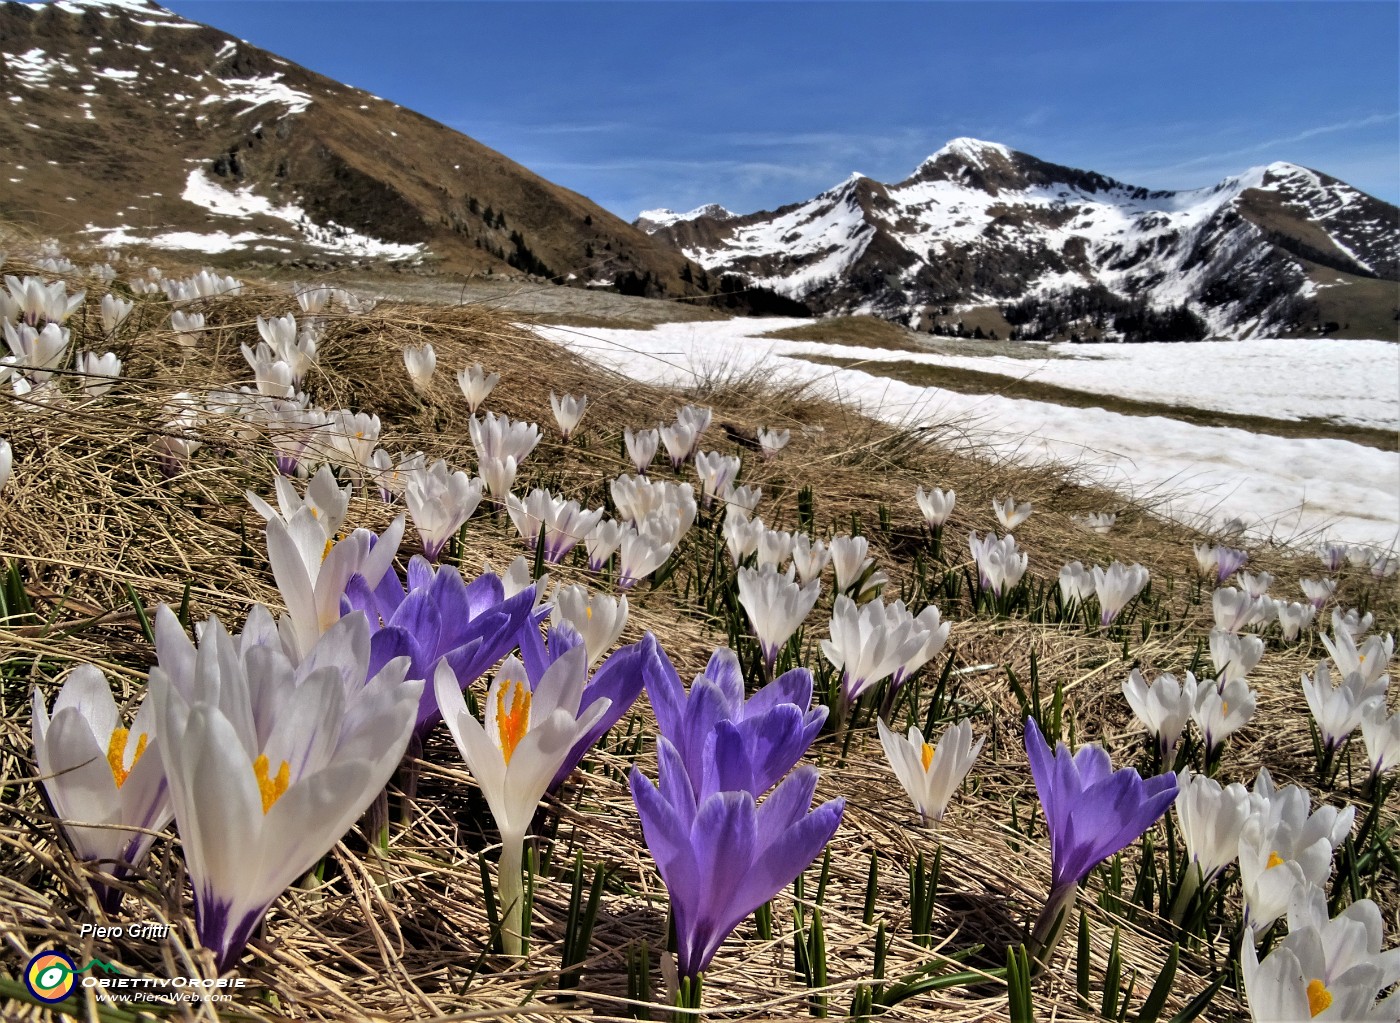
116 754
272 789
926 755
1319 997
1275 860
512 724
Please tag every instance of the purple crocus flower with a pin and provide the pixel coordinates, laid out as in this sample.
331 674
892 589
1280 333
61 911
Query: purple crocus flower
773 727
1230 561
724 854
438 616
1092 812
618 679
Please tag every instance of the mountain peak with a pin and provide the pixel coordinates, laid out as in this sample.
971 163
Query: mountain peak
653 220
970 150
145 8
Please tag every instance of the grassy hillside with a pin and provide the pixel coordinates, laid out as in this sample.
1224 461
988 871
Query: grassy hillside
93 536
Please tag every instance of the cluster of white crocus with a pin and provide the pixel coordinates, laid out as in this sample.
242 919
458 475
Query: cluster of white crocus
1000 565
666 510
855 571
682 438
296 349
557 523
871 642
930 773
568 411
30 300
439 501
1360 692
776 605
501 445
421 362
205 284
770 442
717 472
1223 562
1095 522
476 385
1382 564
1010 514
1324 968
936 506
1163 708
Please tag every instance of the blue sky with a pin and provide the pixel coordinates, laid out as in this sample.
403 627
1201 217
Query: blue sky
752 105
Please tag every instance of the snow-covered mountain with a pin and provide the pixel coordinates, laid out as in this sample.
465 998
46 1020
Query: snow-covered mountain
981 234
124 124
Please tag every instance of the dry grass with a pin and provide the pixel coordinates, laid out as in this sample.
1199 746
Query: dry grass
403 935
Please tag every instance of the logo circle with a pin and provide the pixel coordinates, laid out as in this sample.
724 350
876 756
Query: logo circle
49 976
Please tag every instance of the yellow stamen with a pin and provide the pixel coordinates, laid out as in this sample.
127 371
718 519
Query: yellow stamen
1224 707
273 788
512 724
588 613
1319 997
315 512
116 754
326 551
1275 860
927 756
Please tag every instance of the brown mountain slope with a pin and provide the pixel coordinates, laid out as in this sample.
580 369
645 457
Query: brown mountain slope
123 123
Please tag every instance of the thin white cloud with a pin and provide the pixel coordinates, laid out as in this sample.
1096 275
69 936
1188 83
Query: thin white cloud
1302 136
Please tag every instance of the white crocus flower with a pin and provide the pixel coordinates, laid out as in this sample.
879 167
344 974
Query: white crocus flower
1293 617
853 569
568 410
312 298
476 385
716 473
867 646
1095 522
500 437
1235 610
743 498
680 439
516 752
809 557
186 327
498 474
1116 587
97 372
936 506
1338 710
325 501
311 572
741 535
639 555
354 436
103 779
421 362
774 547
1220 712
598 618
1324 969
1233 656
7 460
519 576
930 774
1332 556
1076 584
1352 622
1164 707
1318 591
37 352
1369 660
270 758
776 606
1256 584
439 501
1381 734
641 447
1000 565
1284 848
1207 557
928 626
698 419
1010 514
114 312
770 442
602 542
1211 817
278 332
